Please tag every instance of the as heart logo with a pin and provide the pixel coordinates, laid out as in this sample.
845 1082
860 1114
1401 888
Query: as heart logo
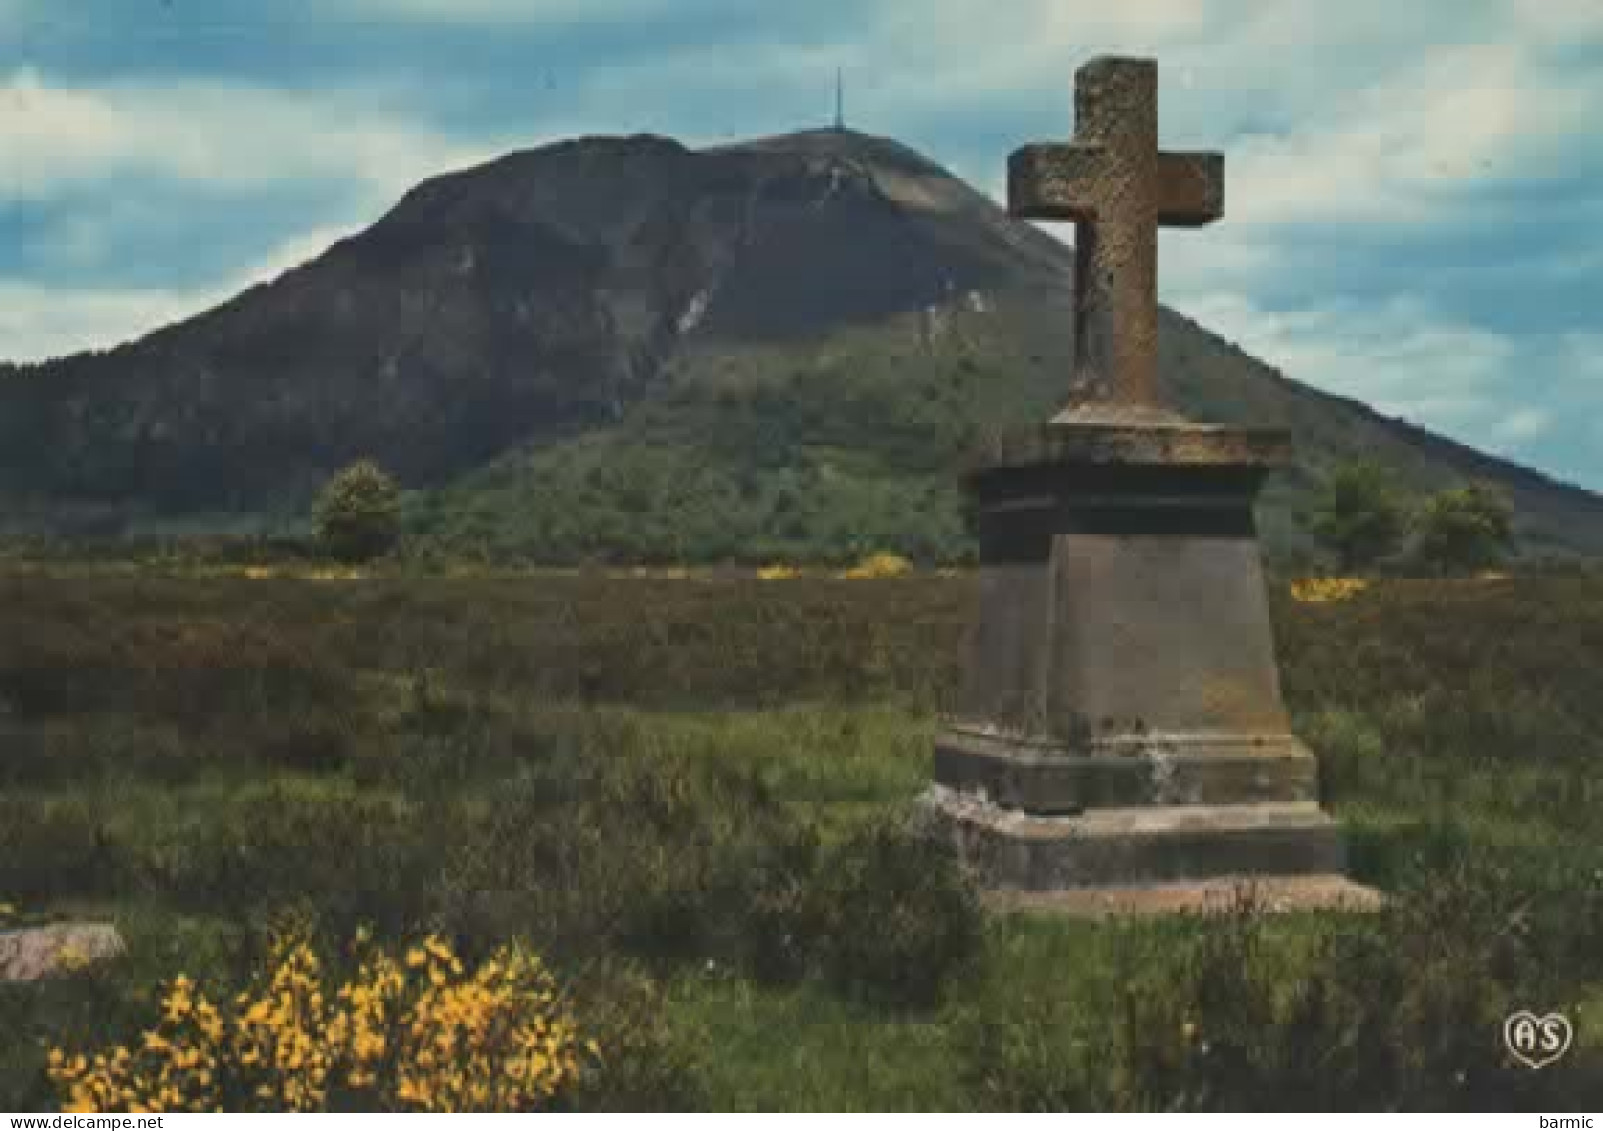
1536 1041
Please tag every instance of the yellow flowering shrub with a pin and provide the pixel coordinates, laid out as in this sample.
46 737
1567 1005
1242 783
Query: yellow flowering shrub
329 573
417 1032
71 958
879 565
778 573
306 573
1319 590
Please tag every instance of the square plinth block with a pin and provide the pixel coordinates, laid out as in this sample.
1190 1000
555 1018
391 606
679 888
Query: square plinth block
1119 731
1121 594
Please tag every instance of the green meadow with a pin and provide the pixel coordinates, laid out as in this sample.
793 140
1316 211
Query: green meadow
695 798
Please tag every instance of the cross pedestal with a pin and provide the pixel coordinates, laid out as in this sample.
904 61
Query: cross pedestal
1119 740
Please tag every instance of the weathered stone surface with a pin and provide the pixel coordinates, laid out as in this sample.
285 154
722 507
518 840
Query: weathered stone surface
1068 440
1117 603
1059 182
32 953
1117 187
1120 723
1125 771
1017 851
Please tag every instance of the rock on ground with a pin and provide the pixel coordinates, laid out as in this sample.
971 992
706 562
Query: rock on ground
33 953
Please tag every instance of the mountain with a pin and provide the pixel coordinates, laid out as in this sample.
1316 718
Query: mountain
619 346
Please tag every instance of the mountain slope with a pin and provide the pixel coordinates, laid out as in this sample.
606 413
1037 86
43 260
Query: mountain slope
608 345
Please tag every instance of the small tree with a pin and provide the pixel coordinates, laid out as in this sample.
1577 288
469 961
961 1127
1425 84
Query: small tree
1358 516
358 513
1463 531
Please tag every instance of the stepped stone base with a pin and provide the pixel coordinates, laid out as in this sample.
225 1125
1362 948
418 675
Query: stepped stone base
1212 847
1119 740
1053 778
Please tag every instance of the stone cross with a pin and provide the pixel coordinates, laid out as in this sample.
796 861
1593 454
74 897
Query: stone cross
1119 740
1117 187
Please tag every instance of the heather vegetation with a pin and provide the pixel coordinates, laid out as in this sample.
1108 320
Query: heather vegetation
693 801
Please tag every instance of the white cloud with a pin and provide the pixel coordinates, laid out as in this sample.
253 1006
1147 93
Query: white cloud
1524 397
1032 39
1399 355
906 59
211 137
39 322
1566 22
286 256
1523 424
1378 112
53 136
1403 148
497 13
1580 362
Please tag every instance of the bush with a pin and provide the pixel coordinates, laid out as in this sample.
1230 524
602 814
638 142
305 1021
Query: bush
1402 1010
358 513
887 915
779 931
1358 515
348 850
587 850
59 847
312 745
411 1033
1463 531
647 1064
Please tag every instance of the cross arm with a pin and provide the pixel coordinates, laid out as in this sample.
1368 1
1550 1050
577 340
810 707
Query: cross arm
1053 182
1191 189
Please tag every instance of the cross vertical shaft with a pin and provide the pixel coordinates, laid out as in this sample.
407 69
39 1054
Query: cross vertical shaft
1118 188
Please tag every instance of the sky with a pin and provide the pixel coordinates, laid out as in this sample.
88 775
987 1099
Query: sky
1414 187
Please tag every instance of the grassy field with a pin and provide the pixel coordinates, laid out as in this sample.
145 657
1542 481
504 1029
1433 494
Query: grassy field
692 797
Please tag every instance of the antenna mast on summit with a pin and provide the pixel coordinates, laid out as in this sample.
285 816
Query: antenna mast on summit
840 103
